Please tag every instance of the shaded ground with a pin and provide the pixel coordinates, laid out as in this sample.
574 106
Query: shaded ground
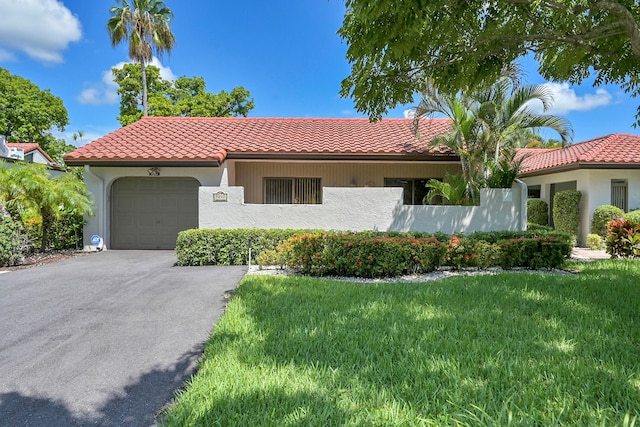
103 339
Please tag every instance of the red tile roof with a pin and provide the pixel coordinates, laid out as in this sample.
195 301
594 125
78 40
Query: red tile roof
28 147
617 150
194 140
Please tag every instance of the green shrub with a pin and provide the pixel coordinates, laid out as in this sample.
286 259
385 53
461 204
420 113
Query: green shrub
360 255
537 228
534 253
595 242
601 216
65 231
537 212
14 243
623 239
566 212
633 217
470 253
227 247
271 257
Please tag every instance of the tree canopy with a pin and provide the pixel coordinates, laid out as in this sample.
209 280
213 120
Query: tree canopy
28 114
393 43
145 25
186 97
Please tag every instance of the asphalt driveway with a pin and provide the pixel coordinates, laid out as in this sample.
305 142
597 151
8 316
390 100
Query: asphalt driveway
103 339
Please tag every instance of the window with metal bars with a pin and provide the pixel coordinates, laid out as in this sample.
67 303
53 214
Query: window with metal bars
619 193
292 191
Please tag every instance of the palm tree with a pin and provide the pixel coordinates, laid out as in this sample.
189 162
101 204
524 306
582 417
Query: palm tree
30 186
145 25
505 110
486 120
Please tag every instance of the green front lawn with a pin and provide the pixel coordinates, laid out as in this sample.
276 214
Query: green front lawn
510 349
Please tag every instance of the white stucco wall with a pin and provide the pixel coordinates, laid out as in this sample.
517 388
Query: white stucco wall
99 180
595 185
363 208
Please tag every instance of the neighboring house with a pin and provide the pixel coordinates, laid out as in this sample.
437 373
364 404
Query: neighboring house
29 152
161 175
605 170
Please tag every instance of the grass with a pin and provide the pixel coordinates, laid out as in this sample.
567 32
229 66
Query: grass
510 349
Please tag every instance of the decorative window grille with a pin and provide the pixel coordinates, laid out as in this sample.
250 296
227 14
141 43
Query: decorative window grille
292 191
619 193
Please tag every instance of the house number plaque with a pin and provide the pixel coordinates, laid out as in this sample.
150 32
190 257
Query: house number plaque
220 196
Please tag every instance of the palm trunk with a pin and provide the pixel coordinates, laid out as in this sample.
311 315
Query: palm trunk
145 110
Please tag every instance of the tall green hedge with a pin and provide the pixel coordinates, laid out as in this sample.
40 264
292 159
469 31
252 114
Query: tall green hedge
566 212
537 212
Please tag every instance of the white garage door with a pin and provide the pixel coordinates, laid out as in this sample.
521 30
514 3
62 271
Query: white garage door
148 213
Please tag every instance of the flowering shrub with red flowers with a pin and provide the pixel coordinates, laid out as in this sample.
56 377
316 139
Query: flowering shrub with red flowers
470 253
363 255
623 238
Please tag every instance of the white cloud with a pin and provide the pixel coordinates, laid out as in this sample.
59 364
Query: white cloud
410 113
106 91
40 28
566 100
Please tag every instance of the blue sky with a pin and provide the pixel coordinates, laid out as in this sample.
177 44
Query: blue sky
285 52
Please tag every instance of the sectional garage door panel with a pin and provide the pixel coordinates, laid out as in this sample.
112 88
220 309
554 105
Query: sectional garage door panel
148 213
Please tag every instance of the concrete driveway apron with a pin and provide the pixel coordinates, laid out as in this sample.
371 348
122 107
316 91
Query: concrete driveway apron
103 339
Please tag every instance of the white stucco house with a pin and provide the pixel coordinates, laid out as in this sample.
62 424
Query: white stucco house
161 175
605 170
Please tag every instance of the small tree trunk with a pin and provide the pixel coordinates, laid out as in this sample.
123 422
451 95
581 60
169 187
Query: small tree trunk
47 221
145 110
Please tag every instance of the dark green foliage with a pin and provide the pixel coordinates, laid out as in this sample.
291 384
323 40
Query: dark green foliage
601 216
566 212
633 217
538 228
393 46
537 212
14 243
498 236
327 254
371 253
330 254
185 97
65 231
534 253
470 253
227 247
28 113
623 240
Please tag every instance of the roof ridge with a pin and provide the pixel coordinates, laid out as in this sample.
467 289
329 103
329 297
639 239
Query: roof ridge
309 119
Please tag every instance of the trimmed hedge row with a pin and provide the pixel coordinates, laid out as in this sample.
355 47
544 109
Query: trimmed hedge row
228 247
324 254
373 254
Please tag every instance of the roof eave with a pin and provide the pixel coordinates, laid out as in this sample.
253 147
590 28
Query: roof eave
145 163
582 165
342 156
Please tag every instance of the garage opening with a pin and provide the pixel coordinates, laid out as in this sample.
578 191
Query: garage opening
148 213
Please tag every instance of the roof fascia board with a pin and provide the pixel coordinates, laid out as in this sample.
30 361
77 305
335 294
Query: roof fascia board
576 166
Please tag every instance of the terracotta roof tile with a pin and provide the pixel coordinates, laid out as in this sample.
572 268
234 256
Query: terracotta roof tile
613 150
28 147
213 139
